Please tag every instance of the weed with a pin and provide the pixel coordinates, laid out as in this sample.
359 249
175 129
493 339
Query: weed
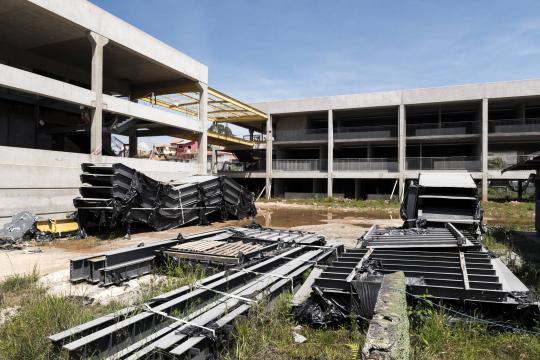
267 333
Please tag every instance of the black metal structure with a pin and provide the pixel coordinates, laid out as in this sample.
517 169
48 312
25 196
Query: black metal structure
115 194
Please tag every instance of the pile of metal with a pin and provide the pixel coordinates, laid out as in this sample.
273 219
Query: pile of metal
13 232
439 249
114 194
225 247
437 238
193 321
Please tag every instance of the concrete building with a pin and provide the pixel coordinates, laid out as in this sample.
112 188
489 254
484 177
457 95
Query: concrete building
71 75
365 145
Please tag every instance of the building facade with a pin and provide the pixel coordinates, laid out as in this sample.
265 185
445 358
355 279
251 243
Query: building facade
369 145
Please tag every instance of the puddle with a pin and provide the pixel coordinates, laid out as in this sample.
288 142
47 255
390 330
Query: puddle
287 218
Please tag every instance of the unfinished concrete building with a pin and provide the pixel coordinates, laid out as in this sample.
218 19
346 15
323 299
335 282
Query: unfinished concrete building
368 145
71 76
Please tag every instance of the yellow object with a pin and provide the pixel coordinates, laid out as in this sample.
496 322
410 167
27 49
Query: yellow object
57 227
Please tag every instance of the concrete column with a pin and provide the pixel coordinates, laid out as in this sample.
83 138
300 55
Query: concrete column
484 149
250 134
269 138
203 136
214 160
133 142
402 135
356 189
96 85
330 161
537 198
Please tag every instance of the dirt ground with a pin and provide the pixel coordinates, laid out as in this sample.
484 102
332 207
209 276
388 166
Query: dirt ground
341 225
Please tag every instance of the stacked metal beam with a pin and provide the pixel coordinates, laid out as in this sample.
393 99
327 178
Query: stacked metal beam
114 194
438 238
186 322
225 247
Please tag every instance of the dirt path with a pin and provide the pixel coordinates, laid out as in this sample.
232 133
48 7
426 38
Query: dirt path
337 225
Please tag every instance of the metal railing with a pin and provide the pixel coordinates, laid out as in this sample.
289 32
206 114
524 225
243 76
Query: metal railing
501 161
469 163
444 128
241 166
364 164
514 125
299 165
301 134
368 131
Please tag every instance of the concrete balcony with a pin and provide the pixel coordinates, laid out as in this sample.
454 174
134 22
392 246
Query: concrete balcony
366 132
454 163
302 135
300 165
444 129
514 125
363 164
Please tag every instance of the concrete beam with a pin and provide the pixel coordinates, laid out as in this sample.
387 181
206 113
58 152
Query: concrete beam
96 84
388 333
203 136
503 89
402 136
145 112
484 155
28 82
269 172
330 160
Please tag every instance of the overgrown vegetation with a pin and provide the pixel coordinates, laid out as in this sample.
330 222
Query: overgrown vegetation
342 203
513 215
438 336
267 333
39 314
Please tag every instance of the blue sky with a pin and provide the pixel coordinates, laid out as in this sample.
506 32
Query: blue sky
275 49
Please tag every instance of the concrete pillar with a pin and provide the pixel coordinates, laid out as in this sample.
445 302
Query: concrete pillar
402 135
387 337
330 161
250 134
214 160
537 196
269 138
356 189
484 152
369 151
96 85
133 142
203 136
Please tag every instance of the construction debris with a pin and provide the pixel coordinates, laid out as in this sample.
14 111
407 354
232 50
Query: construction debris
439 249
115 194
224 247
195 321
21 225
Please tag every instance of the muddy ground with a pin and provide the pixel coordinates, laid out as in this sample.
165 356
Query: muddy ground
343 225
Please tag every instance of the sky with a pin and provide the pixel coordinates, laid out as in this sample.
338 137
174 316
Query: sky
269 50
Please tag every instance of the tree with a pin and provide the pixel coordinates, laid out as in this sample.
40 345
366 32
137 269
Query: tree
221 129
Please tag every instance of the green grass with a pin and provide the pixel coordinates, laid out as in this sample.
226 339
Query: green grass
267 333
39 314
341 203
438 337
513 215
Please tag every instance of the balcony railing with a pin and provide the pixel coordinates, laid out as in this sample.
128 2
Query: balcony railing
299 165
514 125
301 134
363 164
366 132
241 166
501 161
469 163
443 128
